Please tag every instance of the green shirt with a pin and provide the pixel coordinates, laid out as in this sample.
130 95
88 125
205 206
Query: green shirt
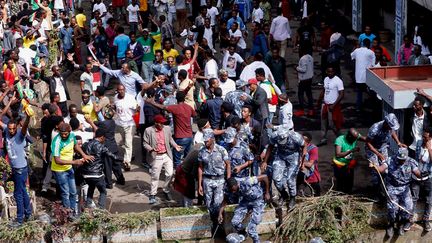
345 146
63 149
148 49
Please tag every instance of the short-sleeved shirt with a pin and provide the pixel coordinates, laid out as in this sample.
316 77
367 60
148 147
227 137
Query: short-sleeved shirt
87 78
240 154
400 175
182 114
171 53
88 109
148 49
122 42
345 146
229 63
213 162
15 148
332 86
133 13
378 136
63 149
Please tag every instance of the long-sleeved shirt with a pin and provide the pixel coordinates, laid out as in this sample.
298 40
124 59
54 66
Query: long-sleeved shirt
280 28
305 67
128 80
404 54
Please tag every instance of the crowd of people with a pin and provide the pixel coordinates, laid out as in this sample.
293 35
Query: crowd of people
176 64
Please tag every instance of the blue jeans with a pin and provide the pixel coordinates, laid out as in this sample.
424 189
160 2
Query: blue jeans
185 143
19 177
66 183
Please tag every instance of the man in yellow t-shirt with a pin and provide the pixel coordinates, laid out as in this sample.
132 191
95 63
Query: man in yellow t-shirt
168 50
81 18
87 107
63 146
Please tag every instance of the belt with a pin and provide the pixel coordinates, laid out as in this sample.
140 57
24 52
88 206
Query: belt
211 177
19 170
161 153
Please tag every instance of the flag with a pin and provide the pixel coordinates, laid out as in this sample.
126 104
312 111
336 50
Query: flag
34 4
32 17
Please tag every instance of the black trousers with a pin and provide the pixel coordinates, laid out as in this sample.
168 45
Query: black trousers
305 86
344 179
112 166
98 183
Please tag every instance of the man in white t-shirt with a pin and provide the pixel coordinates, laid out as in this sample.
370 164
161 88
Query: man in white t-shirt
212 13
230 61
331 110
226 84
257 13
237 36
364 59
133 16
125 105
211 66
100 6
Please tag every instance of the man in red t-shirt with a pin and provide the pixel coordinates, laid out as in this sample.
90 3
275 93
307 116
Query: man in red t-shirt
182 116
309 167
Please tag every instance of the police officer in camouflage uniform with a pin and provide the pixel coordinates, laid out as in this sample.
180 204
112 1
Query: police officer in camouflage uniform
400 172
289 146
233 97
252 200
239 154
378 141
213 164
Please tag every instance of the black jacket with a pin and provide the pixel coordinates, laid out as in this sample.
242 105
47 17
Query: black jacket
52 82
260 104
97 150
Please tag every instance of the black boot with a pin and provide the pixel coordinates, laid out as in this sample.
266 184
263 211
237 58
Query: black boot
291 203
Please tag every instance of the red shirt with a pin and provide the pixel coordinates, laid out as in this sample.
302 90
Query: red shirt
160 141
315 177
9 77
182 114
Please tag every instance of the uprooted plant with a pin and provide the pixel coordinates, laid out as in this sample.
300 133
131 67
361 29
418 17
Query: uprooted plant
334 217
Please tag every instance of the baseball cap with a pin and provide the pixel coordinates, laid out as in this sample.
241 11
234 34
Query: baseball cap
392 121
207 134
159 119
253 81
241 83
230 134
402 153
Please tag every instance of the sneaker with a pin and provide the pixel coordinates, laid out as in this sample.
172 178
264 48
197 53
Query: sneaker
407 226
168 196
427 226
299 113
109 186
389 232
44 190
121 182
152 200
15 224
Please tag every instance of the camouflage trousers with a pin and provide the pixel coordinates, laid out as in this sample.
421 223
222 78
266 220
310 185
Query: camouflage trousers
402 196
214 194
285 172
257 209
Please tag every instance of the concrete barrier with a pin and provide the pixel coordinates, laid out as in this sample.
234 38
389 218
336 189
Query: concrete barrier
179 227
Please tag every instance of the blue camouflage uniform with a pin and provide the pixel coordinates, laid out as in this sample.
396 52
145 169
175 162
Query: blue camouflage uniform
380 139
233 97
397 182
245 133
213 166
285 165
251 195
239 153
